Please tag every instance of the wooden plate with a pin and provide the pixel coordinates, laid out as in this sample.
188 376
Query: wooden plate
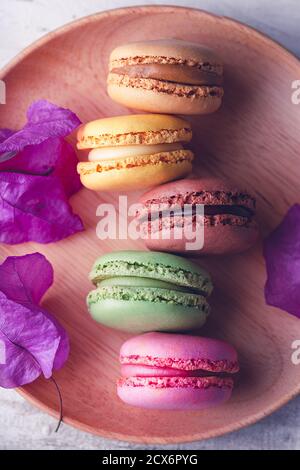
254 139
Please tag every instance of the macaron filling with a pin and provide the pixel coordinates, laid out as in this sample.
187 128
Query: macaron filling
176 382
166 87
128 370
128 281
129 156
220 207
178 157
191 210
148 294
171 73
215 366
165 372
126 151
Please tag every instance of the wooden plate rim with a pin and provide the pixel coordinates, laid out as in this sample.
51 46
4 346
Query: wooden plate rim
119 11
158 440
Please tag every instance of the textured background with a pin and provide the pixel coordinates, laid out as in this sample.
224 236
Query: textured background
22 22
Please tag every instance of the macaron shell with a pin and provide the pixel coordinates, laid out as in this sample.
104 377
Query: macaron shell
219 239
139 177
191 185
154 101
142 316
173 398
162 345
154 265
173 48
133 129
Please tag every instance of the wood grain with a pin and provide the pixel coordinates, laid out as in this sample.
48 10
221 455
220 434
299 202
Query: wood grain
254 139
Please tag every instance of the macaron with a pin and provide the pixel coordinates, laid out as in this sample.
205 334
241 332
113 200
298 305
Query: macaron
134 152
176 372
166 76
170 218
139 291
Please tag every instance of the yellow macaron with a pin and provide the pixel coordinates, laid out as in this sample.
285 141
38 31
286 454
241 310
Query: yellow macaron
134 152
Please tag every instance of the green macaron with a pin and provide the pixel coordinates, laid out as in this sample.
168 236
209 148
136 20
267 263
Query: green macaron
140 291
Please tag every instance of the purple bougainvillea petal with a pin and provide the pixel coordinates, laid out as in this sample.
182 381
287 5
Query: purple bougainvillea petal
17 367
6 156
54 156
44 120
30 330
5 134
282 257
35 159
34 208
31 340
19 280
63 348
66 168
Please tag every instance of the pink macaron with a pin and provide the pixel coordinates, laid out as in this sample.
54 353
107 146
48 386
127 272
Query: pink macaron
176 372
169 219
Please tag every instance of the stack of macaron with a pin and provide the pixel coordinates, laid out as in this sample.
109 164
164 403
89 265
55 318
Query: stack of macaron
156 294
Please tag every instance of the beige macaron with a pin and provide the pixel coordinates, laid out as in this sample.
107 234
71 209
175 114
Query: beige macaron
166 76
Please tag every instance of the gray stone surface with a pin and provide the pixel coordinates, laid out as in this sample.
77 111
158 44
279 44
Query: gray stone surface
24 427
22 21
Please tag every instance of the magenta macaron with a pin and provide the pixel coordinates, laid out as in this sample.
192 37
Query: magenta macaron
175 372
167 213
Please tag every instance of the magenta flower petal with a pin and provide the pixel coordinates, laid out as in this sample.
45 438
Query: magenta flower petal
39 159
28 329
66 168
19 280
17 367
282 257
44 120
5 134
63 348
31 340
34 208
54 156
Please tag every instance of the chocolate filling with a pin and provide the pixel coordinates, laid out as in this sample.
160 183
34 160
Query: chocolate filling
211 210
183 74
240 211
